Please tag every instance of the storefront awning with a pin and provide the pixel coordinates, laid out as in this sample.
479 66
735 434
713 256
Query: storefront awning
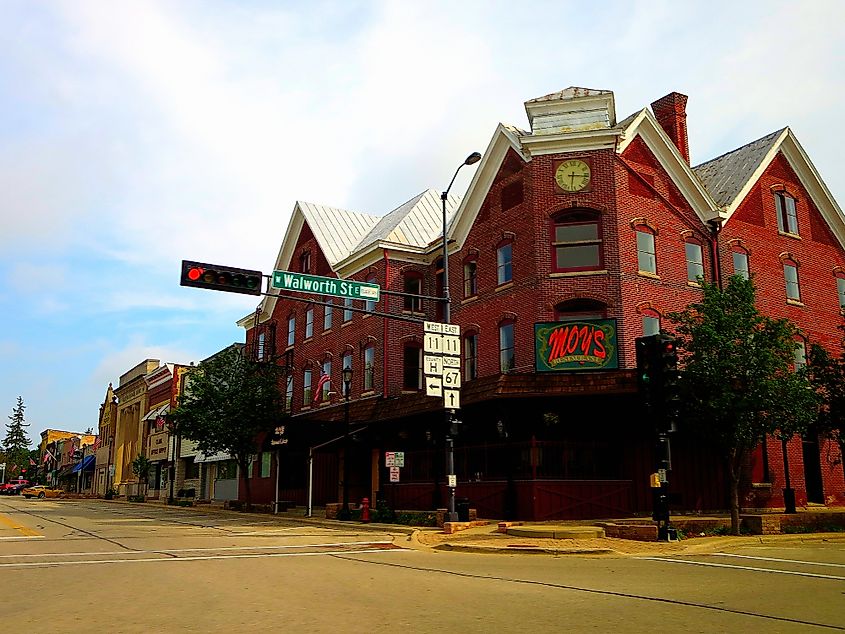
86 465
215 457
157 411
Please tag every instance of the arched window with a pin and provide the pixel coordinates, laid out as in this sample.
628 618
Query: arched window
507 355
470 355
305 262
787 216
470 276
412 283
306 388
324 384
577 309
740 258
576 241
800 354
412 366
651 322
369 367
370 304
504 262
840 288
291 329
328 314
695 261
646 256
790 274
346 363
309 322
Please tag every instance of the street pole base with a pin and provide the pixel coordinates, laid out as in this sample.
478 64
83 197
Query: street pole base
789 501
344 515
450 517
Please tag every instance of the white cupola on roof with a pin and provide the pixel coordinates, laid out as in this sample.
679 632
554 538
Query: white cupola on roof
571 110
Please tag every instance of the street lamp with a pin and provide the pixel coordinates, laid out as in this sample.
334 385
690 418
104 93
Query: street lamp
470 160
451 516
344 513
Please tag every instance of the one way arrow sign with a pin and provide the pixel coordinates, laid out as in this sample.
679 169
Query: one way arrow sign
433 386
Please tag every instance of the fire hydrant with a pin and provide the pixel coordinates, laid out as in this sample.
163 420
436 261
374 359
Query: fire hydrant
365 510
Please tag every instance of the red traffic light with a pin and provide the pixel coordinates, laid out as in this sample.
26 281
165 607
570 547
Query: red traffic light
221 278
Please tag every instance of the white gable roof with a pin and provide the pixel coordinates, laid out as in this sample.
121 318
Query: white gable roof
344 236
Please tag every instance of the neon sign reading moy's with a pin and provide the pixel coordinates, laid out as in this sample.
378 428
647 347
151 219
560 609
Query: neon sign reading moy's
588 344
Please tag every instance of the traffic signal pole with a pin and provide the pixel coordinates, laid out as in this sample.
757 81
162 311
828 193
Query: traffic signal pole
658 381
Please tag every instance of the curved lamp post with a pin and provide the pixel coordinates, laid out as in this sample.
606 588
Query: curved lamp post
473 158
344 513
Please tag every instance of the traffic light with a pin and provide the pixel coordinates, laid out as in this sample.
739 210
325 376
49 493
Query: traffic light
658 378
670 383
646 371
220 278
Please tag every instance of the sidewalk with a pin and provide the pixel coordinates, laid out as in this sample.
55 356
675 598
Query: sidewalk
486 539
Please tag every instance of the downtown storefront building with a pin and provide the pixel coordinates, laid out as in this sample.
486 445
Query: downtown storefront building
583 229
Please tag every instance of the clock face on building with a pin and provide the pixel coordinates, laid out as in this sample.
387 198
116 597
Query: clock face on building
572 175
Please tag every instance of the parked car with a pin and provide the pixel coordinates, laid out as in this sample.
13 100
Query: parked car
14 487
40 491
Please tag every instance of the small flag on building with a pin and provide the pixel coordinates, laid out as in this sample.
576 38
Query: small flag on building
160 422
96 443
31 462
324 378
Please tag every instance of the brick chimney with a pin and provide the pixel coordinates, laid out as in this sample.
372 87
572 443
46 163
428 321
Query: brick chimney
671 113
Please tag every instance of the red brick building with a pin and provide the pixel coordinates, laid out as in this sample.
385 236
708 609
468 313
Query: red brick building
581 218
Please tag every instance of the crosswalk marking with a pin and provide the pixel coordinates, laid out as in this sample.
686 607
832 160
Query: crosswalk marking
748 568
45 564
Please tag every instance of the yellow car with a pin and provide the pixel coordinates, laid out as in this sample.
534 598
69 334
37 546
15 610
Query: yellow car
41 491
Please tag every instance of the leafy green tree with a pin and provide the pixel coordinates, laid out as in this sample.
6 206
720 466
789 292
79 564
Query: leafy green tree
229 399
16 444
738 376
141 468
827 375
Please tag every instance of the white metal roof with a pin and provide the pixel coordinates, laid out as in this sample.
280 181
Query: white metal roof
337 231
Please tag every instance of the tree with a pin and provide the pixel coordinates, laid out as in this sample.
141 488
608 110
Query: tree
738 380
141 468
229 399
827 375
16 443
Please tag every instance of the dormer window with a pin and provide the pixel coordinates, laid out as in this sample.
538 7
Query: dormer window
787 216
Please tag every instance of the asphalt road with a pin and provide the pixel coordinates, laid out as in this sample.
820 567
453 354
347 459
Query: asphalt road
95 566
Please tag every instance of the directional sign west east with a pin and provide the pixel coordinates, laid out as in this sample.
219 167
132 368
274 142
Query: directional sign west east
289 281
442 362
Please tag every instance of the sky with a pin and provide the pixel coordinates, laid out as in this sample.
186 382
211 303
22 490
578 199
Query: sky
136 134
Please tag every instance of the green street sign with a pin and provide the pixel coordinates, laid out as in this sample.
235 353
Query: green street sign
289 281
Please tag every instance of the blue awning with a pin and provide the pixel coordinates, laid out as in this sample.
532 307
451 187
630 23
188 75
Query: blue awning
85 465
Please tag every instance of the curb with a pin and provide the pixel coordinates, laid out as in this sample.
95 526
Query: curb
530 550
300 519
